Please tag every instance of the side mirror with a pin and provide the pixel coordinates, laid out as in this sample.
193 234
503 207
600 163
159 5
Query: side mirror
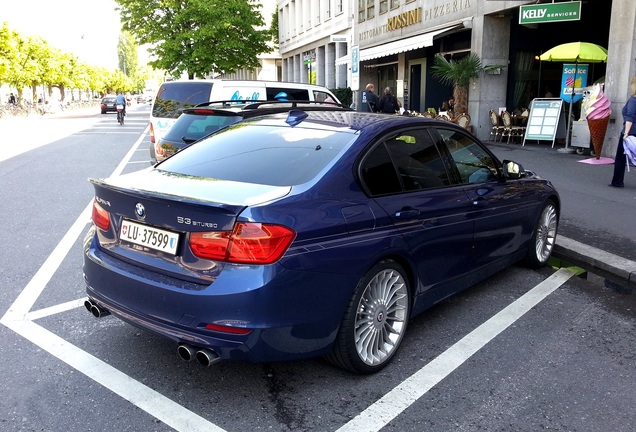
512 170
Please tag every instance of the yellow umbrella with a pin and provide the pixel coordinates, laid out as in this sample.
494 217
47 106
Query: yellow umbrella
583 52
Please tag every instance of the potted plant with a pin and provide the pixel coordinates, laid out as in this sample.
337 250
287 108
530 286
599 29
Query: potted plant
458 74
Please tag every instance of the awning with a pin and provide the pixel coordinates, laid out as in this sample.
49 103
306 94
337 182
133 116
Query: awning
403 45
343 60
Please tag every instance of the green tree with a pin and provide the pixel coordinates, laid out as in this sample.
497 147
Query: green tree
127 54
8 51
30 63
273 29
198 37
59 71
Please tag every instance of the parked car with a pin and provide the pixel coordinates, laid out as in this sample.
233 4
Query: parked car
204 119
175 96
310 233
109 104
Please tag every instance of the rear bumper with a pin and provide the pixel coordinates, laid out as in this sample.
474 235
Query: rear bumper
291 314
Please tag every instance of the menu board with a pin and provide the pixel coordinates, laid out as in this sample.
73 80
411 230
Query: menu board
545 120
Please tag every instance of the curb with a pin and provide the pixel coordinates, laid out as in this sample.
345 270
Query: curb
605 264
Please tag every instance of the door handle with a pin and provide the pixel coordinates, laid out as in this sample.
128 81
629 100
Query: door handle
480 202
410 213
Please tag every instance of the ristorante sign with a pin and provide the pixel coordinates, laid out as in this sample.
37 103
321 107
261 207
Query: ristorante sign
417 16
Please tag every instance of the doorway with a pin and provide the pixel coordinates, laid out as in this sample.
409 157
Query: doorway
417 85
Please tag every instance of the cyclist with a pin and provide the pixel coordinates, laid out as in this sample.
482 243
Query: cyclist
121 100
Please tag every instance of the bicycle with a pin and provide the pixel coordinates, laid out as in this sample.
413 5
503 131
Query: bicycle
120 114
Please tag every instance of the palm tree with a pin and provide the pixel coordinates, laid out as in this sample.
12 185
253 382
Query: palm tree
458 74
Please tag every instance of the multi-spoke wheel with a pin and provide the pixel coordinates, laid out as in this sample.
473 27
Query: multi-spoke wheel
375 320
544 236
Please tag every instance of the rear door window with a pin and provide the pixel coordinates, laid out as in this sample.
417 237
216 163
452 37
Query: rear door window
173 98
408 161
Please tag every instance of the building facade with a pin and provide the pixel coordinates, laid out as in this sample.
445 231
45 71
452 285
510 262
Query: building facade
397 41
313 34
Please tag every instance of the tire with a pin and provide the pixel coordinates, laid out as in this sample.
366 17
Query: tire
375 320
544 236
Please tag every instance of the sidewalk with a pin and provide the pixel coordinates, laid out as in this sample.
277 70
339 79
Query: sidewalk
21 134
597 230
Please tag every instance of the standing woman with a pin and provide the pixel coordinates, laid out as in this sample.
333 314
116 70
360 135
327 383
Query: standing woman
629 128
388 103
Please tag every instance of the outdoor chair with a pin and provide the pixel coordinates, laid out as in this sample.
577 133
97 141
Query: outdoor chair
509 129
496 129
463 120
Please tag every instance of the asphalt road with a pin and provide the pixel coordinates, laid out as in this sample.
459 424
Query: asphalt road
523 351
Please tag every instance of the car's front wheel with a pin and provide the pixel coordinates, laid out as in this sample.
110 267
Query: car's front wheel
375 321
544 236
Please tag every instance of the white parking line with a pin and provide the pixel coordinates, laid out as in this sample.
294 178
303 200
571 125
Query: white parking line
417 385
19 319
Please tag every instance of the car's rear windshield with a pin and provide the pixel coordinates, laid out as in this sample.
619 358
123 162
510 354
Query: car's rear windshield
260 154
171 99
191 127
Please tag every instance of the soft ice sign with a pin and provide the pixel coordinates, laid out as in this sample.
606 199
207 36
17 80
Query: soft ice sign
574 78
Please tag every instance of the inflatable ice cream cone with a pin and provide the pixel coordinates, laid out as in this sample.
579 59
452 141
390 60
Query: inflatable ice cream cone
598 127
597 112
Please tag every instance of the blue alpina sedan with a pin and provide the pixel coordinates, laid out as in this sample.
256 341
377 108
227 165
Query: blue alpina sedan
305 233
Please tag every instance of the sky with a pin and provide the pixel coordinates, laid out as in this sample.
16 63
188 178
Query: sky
88 28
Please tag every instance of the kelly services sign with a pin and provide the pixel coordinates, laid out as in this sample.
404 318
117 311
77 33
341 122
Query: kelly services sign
550 12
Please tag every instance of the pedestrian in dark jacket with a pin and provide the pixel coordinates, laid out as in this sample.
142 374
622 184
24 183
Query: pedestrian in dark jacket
369 102
388 102
629 129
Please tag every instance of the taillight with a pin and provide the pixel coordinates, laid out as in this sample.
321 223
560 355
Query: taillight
248 243
228 329
100 217
152 134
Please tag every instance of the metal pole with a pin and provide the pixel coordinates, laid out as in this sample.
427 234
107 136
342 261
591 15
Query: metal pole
567 148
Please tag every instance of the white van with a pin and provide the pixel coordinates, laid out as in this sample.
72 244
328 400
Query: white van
175 96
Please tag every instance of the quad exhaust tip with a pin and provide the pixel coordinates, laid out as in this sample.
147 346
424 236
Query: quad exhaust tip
204 356
97 310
